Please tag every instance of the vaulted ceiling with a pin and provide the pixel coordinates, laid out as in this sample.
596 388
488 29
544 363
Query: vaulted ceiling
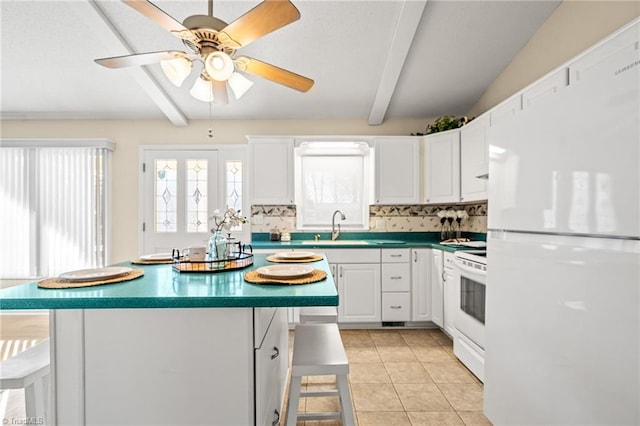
370 60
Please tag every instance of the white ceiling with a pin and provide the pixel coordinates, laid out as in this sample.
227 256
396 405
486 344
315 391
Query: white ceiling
354 50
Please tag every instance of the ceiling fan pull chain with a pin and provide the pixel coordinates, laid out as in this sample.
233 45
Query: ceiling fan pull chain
210 122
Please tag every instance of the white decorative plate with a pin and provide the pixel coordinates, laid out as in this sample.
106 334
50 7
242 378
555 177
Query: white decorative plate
295 254
96 273
285 271
156 256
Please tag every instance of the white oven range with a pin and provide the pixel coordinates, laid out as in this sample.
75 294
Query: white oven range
470 280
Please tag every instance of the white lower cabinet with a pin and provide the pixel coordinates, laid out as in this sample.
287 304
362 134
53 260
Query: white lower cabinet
225 365
450 302
359 290
357 275
437 287
271 364
421 299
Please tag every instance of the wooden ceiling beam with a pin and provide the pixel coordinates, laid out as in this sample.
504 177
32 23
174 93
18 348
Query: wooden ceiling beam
106 31
406 27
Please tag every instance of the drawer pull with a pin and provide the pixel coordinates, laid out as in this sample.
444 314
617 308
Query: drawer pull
396 307
276 353
396 278
277 420
395 255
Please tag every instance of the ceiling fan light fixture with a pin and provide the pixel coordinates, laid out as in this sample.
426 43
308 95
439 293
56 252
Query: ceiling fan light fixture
239 84
176 70
202 90
219 66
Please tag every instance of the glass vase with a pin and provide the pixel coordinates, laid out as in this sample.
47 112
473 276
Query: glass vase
217 247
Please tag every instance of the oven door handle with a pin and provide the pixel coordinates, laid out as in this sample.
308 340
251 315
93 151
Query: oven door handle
465 268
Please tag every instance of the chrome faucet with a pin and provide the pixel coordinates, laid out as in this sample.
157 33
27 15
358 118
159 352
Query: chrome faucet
336 232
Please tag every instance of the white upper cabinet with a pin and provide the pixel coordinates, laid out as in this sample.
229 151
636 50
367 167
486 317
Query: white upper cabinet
474 161
271 165
442 167
397 170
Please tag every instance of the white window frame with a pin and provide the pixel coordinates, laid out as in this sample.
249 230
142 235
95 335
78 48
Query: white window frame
95 143
335 147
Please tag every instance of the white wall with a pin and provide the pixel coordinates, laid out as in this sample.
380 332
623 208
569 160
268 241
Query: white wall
572 28
128 135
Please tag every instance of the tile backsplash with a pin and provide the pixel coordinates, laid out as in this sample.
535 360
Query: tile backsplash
388 218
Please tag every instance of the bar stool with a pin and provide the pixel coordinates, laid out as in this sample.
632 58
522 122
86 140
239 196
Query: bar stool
318 351
318 314
29 370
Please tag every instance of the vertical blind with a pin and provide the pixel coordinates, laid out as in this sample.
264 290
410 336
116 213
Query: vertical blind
52 209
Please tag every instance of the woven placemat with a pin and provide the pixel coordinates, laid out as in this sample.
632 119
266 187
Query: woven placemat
276 259
57 283
151 262
255 278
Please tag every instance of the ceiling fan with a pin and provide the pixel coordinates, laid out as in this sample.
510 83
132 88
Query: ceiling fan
214 43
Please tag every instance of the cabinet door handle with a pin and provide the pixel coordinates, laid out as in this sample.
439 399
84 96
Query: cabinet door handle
276 353
396 307
415 256
443 277
395 278
340 269
277 420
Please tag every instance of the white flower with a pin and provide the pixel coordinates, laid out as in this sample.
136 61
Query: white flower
228 220
462 214
451 214
441 214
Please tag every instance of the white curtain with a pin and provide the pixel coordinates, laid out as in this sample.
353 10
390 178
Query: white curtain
55 217
16 220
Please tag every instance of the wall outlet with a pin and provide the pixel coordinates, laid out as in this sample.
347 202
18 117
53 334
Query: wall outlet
378 224
258 219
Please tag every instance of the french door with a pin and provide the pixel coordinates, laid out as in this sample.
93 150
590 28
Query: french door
180 191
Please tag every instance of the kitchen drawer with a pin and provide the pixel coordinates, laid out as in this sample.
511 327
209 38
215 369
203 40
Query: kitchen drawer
261 319
271 363
396 255
396 306
396 277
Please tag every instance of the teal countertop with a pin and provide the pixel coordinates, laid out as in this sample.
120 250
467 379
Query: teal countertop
363 240
163 287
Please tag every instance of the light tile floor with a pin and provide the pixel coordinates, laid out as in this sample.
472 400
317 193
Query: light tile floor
402 377
398 377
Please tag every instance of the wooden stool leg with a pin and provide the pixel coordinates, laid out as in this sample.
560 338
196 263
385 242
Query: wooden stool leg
294 400
346 404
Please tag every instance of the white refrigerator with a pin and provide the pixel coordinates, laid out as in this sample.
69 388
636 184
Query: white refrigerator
563 274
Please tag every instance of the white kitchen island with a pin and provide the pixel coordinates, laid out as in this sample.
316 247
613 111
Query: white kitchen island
170 348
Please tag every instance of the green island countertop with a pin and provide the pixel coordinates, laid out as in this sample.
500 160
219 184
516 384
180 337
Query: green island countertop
163 287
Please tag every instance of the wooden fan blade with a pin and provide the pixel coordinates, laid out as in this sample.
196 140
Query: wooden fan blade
220 95
158 16
263 19
139 59
273 73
